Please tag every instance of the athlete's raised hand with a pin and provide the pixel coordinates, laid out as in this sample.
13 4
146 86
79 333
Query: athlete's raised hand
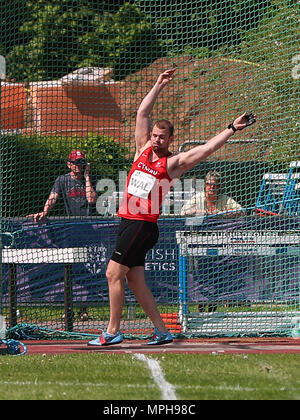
165 77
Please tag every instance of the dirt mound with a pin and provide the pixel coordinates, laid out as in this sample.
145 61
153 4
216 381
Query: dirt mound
203 98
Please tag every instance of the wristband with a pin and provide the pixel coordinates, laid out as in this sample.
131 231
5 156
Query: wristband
232 126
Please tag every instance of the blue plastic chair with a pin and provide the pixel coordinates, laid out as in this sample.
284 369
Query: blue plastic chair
271 192
291 197
280 193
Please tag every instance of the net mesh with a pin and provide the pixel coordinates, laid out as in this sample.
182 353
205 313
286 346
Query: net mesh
73 74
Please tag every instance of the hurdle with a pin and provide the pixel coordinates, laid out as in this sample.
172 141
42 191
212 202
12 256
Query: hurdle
65 256
202 243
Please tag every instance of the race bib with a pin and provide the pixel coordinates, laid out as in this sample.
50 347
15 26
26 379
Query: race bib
140 184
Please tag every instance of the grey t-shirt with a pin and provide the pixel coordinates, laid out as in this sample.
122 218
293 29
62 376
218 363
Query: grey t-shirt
73 193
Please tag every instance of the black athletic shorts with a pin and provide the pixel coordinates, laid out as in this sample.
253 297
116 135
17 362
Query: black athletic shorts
135 238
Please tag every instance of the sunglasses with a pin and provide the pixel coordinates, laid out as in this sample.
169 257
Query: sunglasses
212 184
78 162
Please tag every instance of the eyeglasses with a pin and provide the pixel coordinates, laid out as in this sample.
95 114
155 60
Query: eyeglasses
78 162
212 184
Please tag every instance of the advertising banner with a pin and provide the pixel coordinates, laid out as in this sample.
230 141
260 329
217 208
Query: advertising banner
245 259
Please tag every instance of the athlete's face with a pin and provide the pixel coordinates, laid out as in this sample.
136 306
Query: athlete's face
160 139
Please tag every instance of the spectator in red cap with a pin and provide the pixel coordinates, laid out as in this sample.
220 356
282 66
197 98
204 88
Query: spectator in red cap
75 188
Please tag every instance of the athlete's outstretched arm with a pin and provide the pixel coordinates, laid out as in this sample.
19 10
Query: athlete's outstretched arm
187 160
143 123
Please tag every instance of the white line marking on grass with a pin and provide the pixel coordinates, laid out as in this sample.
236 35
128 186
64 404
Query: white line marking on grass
37 382
167 389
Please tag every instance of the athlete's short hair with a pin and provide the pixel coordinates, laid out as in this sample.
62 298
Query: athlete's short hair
165 125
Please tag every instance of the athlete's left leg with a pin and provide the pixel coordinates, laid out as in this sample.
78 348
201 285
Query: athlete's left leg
137 283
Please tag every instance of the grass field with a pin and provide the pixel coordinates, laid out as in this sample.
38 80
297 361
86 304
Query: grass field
123 377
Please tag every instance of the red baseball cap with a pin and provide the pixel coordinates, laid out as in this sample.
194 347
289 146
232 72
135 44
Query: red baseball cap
76 154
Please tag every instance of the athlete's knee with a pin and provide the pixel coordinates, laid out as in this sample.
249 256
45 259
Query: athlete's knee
114 274
111 275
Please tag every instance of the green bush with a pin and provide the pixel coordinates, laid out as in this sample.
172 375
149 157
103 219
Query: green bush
30 165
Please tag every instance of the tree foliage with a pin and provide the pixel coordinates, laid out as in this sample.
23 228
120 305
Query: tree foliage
273 44
207 24
123 40
46 39
64 35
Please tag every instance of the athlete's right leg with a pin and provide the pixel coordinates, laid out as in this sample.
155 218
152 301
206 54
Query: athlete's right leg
115 274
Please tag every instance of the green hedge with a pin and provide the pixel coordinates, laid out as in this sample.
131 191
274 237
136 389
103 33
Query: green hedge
30 165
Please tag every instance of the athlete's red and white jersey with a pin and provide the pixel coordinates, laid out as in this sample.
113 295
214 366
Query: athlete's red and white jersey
146 187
